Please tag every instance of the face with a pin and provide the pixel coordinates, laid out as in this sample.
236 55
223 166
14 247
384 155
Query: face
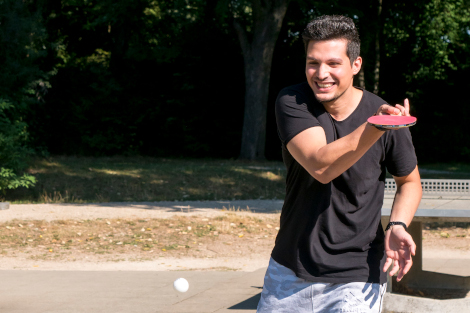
328 69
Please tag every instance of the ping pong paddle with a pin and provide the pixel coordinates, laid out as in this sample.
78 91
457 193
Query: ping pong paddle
391 121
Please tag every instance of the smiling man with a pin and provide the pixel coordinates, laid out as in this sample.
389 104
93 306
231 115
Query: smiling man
331 253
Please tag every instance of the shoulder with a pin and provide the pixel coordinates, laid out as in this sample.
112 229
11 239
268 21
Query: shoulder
295 111
300 93
372 99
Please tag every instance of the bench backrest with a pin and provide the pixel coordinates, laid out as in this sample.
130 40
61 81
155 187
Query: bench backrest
436 186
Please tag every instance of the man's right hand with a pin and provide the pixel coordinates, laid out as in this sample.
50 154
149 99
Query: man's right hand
398 109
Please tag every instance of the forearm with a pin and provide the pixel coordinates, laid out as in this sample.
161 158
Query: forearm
406 202
335 158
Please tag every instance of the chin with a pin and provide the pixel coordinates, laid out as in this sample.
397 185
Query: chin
325 97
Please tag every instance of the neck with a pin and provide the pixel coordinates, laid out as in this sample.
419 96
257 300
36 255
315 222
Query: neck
342 107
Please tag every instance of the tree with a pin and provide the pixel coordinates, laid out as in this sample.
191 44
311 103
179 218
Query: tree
257 25
426 50
22 82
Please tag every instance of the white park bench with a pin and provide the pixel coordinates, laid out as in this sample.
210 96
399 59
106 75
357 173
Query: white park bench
444 200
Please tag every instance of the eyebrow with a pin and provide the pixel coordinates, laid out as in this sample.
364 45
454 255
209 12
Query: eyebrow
337 60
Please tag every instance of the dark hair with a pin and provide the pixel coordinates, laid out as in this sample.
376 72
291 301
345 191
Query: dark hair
329 27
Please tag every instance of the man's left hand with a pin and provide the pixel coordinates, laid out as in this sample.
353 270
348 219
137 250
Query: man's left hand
399 247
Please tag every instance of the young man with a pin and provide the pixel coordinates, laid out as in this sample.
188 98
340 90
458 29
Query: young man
331 253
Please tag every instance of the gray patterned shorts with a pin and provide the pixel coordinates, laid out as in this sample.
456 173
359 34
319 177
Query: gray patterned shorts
285 292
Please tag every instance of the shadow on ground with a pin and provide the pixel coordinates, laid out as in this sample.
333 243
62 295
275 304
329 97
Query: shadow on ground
248 304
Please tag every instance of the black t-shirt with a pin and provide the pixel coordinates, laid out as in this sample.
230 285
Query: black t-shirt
331 232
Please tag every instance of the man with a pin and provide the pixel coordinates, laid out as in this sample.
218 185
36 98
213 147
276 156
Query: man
331 253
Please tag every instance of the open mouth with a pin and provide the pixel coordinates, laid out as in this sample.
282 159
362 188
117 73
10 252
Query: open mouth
324 86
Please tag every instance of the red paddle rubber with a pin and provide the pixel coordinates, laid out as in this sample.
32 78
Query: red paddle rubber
392 121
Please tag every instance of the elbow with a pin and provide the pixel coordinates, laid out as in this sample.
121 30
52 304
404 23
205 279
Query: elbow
321 171
324 180
321 176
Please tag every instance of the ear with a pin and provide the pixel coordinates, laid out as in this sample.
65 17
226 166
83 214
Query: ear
356 66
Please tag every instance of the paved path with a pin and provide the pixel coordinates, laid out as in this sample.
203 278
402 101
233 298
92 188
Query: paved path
128 292
149 292
429 203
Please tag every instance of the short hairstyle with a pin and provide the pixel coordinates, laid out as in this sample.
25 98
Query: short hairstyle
330 27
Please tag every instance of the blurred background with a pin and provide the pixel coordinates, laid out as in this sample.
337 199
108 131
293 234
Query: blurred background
174 79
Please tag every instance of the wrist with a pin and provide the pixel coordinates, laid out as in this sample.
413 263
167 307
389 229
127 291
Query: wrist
396 223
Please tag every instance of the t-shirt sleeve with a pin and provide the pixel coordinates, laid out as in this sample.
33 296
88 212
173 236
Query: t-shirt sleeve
400 156
292 114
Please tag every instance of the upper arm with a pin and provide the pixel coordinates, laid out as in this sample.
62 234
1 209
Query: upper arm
413 177
292 114
298 127
400 156
304 147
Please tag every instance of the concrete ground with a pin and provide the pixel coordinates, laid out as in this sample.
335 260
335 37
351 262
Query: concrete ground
142 292
128 292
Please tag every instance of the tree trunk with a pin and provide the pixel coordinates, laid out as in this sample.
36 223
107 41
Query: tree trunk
258 54
361 78
377 48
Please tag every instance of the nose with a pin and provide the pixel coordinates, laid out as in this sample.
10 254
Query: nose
322 72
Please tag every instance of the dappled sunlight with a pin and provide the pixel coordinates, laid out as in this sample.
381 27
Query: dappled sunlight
270 175
51 164
45 166
116 179
261 173
158 182
130 173
242 170
222 180
196 191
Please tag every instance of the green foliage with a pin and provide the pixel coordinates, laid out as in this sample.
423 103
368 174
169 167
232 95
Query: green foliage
22 82
9 180
165 78
13 151
12 137
435 33
442 31
141 77
427 59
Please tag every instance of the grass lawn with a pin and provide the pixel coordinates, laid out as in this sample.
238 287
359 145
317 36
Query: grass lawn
110 179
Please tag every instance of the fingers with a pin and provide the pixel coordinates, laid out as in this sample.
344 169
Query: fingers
386 109
397 110
404 109
411 244
413 249
387 264
405 267
392 111
395 268
407 107
401 108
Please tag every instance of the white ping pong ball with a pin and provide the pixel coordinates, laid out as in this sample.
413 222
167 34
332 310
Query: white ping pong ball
181 285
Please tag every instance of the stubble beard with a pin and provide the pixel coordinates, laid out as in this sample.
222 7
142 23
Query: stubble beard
336 97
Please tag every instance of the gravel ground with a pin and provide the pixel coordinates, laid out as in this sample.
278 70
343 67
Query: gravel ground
453 242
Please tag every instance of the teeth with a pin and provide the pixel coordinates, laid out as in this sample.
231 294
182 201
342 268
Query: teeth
324 85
